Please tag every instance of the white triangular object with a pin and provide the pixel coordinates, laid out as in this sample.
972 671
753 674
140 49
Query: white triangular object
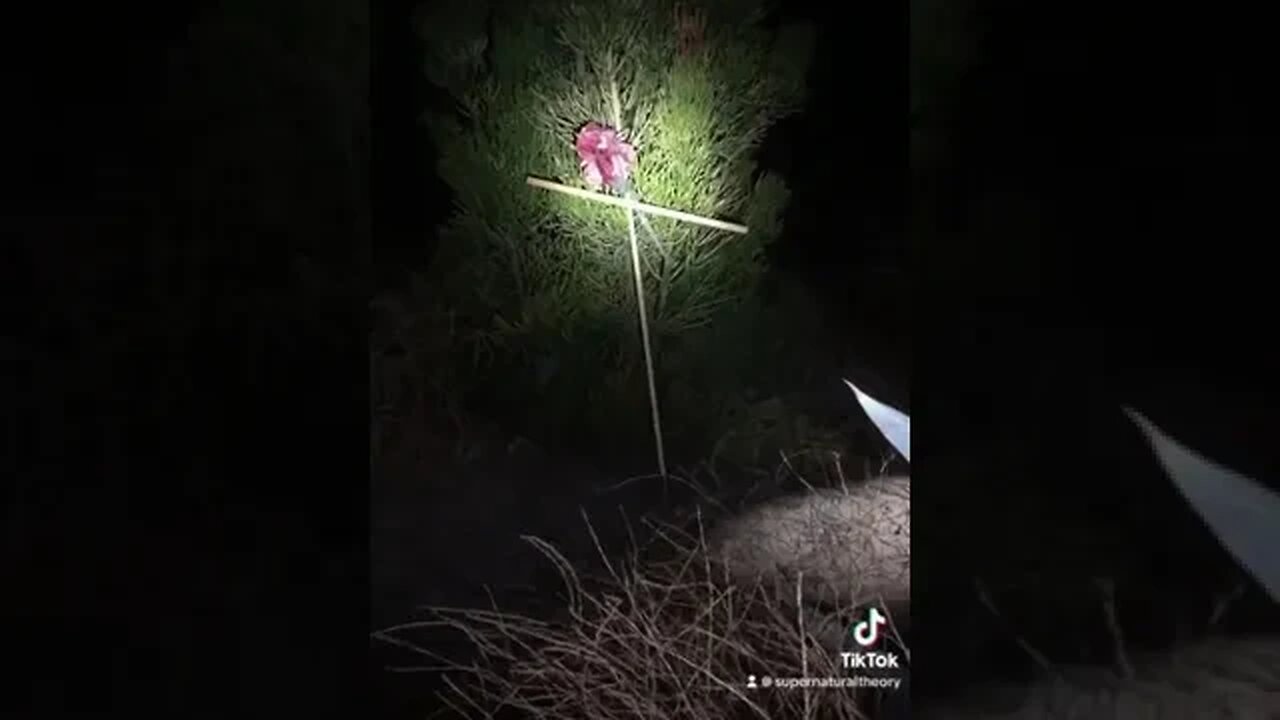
893 424
1244 515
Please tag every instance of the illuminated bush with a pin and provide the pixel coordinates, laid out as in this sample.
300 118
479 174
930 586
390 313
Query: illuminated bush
537 285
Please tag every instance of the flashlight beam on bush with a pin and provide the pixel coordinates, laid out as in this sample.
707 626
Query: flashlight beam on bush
637 206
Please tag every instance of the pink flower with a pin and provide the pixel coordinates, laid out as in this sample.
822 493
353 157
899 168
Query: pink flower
605 158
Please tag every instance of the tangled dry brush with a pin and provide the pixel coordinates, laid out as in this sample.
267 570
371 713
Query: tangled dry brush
668 634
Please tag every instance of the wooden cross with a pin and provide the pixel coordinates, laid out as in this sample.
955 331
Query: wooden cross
631 206
637 205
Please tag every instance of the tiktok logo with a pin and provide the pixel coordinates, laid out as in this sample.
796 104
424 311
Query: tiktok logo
867 632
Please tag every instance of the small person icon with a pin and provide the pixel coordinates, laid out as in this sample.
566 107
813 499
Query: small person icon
751 682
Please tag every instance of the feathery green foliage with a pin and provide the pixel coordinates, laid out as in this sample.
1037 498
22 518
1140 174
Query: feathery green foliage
538 284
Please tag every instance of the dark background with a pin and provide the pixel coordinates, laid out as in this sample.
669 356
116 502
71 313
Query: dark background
189 520
1125 151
